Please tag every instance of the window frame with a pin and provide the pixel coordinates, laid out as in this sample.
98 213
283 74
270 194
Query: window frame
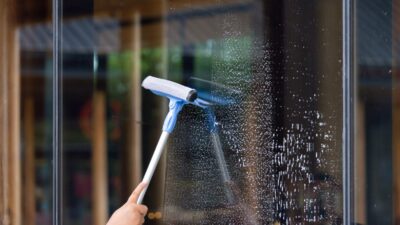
348 111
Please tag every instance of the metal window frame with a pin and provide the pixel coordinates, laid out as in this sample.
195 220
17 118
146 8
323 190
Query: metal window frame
57 175
348 109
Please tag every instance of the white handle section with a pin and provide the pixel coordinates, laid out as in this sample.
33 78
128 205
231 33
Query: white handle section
153 163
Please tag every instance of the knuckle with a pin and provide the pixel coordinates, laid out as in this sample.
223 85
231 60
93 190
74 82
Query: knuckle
145 209
136 208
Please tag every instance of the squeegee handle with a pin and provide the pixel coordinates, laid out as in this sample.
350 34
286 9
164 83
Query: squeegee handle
153 163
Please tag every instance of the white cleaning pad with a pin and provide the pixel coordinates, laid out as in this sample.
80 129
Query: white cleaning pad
168 88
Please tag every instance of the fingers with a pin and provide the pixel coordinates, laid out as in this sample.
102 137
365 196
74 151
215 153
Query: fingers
135 194
142 209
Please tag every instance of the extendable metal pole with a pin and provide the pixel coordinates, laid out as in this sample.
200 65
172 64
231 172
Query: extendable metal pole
153 163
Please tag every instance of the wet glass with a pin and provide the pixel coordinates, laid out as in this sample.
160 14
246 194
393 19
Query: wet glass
269 150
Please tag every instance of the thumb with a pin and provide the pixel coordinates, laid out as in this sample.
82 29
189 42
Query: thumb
135 194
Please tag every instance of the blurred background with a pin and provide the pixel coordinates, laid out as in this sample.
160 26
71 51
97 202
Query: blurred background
270 151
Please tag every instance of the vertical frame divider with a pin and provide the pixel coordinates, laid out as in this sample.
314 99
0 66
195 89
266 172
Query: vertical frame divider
57 112
348 110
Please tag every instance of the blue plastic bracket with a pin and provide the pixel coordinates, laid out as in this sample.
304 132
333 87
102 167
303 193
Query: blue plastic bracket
175 106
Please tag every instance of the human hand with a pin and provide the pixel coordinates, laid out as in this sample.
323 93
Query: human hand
130 213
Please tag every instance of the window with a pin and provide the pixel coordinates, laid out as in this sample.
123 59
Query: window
303 127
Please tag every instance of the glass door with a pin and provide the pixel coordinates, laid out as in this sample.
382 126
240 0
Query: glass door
280 67
269 150
303 126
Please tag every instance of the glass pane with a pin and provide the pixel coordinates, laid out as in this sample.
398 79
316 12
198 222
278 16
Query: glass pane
102 132
275 155
377 112
268 151
26 112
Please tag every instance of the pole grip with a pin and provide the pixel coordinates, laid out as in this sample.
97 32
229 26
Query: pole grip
153 163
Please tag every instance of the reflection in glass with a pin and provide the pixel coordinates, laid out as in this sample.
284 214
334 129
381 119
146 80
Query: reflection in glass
269 150
377 118
278 69
36 107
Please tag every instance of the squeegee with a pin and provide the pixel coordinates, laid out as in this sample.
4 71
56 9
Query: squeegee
178 96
